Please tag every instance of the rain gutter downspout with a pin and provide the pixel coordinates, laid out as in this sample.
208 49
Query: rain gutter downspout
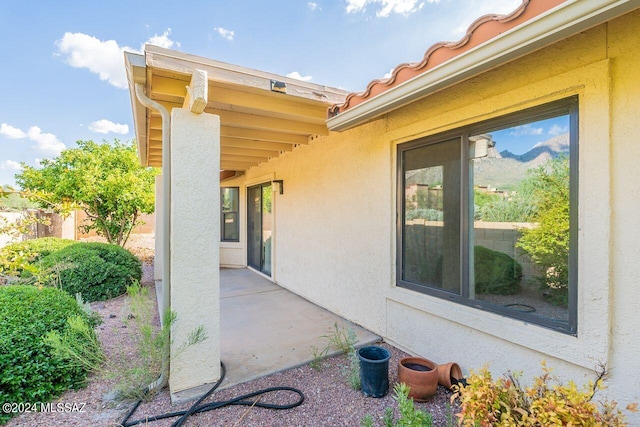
166 225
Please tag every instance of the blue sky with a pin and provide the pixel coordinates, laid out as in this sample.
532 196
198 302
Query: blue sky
62 68
520 139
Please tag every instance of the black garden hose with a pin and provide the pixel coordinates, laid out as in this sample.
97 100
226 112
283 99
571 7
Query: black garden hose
197 407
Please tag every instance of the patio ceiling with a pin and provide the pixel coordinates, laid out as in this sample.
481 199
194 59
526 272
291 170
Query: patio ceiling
258 121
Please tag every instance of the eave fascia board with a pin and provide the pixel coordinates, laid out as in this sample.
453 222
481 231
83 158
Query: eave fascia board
564 20
184 63
136 73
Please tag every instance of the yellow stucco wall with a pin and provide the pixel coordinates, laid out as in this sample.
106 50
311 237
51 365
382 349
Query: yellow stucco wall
624 51
335 226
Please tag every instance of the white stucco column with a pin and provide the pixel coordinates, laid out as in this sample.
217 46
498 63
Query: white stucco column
195 237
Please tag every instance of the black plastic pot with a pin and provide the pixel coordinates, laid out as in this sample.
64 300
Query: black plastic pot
374 370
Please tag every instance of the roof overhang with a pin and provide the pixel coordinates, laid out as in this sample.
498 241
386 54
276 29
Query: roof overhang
560 22
262 115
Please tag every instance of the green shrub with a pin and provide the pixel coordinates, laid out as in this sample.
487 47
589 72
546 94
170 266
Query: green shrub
18 258
98 271
30 372
516 209
409 414
496 272
424 213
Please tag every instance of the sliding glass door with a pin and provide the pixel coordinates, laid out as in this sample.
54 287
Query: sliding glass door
259 224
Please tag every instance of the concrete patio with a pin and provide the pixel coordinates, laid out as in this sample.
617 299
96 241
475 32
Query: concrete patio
266 328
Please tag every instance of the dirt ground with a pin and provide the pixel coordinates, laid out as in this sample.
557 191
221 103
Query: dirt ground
328 399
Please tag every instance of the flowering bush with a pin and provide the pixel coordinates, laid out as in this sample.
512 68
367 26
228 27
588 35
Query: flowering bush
505 402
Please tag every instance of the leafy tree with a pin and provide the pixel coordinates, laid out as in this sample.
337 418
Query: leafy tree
548 242
12 200
105 180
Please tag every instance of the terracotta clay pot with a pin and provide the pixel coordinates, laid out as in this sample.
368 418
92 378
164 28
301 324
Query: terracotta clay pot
449 374
421 375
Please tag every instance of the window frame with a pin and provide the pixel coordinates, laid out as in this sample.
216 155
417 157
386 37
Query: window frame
567 106
222 215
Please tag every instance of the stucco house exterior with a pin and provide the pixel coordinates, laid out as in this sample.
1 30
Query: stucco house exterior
378 205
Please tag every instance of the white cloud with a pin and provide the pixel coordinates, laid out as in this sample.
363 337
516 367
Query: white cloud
224 33
355 6
162 40
107 126
474 9
11 132
387 7
296 75
11 165
104 57
313 6
556 130
404 7
526 130
389 74
46 143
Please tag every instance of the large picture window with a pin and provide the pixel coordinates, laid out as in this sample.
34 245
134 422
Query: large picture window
229 215
487 215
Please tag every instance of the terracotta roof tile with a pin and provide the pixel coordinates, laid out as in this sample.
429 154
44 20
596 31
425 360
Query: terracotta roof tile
480 31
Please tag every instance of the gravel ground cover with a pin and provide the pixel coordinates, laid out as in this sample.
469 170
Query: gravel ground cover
329 401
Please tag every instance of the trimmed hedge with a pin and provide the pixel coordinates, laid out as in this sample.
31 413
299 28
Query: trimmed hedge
98 271
18 258
40 247
496 272
29 372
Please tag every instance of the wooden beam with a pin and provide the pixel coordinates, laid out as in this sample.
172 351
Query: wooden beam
169 87
155 122
226 174
155 146
258 145
197 92
238 146
234 165
265 122
155 134
226 162
242 158
254 122
262 135
248 151
227 98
